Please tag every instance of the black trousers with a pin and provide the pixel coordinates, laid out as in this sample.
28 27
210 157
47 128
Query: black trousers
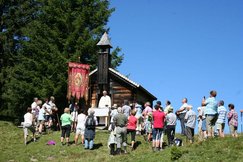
170 131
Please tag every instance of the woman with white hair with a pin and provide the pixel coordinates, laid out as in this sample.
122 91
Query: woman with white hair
89 133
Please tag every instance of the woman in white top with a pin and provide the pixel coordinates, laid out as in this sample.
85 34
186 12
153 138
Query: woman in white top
80 127
28 124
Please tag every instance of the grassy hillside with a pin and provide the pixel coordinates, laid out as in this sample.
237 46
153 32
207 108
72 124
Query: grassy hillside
12 148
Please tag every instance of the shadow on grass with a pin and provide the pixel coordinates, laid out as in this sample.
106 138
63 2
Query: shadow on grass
32 140
97 146
137 144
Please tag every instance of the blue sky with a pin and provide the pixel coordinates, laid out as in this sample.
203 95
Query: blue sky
179 49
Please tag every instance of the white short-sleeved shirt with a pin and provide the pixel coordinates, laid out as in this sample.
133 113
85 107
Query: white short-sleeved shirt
183 107
81 121
48 107
28 118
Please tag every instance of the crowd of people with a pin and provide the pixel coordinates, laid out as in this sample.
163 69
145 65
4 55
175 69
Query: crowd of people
134 119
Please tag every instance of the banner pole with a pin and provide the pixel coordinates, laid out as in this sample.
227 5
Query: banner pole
241 113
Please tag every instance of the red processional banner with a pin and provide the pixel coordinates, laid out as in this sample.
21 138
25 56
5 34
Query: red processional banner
78 80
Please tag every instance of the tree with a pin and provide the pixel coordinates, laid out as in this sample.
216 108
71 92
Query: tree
52 34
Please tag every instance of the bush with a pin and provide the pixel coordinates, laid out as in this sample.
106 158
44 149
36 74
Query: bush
175 153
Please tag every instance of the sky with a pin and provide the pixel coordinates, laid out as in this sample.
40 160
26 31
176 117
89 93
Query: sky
178 49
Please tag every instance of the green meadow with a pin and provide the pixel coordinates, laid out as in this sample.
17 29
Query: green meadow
12 149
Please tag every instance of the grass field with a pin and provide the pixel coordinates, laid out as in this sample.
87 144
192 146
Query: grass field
12 149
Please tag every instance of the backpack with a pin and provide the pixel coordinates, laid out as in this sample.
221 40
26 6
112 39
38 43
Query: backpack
90 122
178 142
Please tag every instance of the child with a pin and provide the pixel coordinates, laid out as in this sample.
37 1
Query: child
74 115
112 139
148 126
190 119
28 124
113 112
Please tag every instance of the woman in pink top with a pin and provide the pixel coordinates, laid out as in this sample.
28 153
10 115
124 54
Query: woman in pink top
158 125
131 127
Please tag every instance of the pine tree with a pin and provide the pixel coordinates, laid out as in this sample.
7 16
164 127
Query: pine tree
52 34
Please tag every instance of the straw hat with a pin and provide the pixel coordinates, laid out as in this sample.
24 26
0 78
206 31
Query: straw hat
170 109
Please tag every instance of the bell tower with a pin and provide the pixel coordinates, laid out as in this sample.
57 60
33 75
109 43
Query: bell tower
104 62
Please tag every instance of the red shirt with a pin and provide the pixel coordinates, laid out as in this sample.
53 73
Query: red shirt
158 119
132 123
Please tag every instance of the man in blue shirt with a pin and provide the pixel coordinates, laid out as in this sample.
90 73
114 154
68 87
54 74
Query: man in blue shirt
220 123
211 112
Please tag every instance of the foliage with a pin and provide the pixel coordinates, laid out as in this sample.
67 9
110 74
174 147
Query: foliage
175 153
38 39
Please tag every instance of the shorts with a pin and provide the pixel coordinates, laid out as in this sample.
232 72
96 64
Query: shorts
210 121
80 131
48 118
233 129
204 127
220 126
41 122
66 129
157 132
148 127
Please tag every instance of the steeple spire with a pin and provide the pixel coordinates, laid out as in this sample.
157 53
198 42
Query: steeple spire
104 41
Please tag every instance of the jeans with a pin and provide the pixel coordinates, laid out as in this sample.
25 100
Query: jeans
182 120
88 144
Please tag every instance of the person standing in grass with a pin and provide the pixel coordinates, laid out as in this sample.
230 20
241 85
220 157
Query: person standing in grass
139 116
112 138
28 124
66 120
211 112
120 121
41 118
190 119
202 134
170 128
233 120
220 123
89 133
74 115
131 127
126 109
113 112
80 127
158 125
181 115
147 113
167 106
